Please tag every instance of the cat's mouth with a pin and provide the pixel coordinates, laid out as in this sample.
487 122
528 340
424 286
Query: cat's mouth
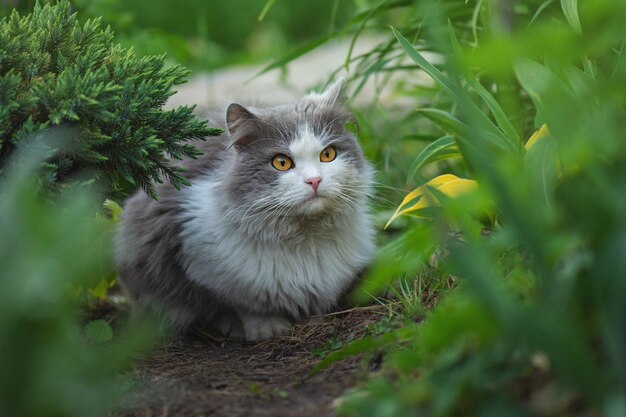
314 204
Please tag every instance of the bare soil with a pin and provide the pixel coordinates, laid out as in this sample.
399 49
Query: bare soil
201 375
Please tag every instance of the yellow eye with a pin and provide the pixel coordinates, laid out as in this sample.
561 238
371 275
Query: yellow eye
282 162
328 154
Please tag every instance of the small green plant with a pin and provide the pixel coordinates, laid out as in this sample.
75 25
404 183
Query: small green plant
66 83
329 346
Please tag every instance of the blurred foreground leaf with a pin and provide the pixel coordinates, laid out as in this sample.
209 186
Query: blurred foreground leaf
47 249
99 331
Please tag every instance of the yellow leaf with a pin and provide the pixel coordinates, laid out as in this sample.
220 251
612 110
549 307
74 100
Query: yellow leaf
448 184
543 131
458 187
419 191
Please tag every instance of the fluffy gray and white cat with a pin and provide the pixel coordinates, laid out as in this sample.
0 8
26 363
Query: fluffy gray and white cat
274 229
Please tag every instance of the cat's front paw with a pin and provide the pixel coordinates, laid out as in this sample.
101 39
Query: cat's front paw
230 326
257 328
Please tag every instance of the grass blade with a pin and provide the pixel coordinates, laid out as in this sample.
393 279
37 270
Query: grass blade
365 17
460 130
443 148
570 10
266 9
452 88
445 120
488 129
494 107
542 168
540 9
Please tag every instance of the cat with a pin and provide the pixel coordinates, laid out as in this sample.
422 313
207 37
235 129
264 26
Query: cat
274 229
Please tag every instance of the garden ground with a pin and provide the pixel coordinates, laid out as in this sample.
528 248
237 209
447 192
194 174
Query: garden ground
202 375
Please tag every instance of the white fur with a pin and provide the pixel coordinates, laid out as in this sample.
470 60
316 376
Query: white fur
257 328
275 266
305 151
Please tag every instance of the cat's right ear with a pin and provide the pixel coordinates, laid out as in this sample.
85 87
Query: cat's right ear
242 125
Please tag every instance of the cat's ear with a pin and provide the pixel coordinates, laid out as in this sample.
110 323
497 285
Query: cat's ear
332 104
242 125
333 94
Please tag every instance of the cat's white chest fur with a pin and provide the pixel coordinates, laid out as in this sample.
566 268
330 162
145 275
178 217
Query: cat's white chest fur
299 276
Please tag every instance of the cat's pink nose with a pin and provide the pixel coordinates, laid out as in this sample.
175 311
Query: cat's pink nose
314 182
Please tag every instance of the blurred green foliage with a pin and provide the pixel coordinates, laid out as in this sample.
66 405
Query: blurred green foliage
537 323
52 364
205 35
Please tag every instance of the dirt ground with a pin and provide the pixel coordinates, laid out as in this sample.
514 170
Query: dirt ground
201 375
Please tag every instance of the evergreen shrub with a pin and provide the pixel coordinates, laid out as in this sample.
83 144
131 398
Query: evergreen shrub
63 80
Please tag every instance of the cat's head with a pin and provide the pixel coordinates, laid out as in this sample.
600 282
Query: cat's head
297 159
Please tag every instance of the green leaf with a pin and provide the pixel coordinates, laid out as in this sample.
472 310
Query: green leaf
494 107
266 9
452 88
539 10
488 131
534 78
445 120
422 137
365 17
100 291
570 10
99 331
538 81
456 317
541 168
466 135
443 148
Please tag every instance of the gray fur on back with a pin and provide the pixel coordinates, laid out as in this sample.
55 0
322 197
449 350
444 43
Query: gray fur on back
247 242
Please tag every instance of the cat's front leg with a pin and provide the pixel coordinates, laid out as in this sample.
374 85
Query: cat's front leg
259 327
